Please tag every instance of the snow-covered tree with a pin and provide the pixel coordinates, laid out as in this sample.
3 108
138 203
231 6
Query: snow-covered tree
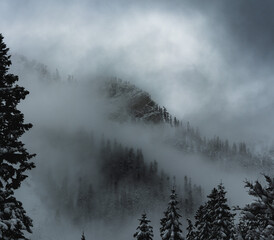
14 158
13 219
144 230
222 219
214 219
83 237
190 231
163 224
171 226
257 218
203 223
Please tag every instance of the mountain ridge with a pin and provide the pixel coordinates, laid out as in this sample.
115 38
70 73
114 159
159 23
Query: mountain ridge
138 106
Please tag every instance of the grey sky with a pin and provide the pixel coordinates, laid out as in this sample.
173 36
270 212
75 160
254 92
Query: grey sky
209 62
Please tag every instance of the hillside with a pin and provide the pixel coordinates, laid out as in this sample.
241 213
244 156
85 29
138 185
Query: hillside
111 180
128 103
137 105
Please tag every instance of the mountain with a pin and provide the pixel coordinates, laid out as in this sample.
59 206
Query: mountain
134 103
137 105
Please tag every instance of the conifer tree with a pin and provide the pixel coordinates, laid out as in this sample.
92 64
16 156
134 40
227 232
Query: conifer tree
257 218
14 158
171 226
83 236
214 219
203 223
222 219
163 224
13 219
144 230
190 231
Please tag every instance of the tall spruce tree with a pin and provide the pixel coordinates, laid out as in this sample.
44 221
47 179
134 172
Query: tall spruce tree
203 223
222 219
257 218
171 226
14 158
144 230
190 231
214 219
163 224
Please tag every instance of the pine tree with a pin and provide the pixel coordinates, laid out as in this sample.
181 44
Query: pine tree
257 218
214 219
203 223
190 231
14 158
83 236
163 224
171 229
13 219
222 219
144 230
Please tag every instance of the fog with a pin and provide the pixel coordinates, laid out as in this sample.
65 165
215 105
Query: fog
62 112
208 63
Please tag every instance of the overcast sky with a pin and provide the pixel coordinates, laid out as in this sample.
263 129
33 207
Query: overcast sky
210 62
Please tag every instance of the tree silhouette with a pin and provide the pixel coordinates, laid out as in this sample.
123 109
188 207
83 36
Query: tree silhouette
214 219
190 231
144 230
257 218
171 226
14 158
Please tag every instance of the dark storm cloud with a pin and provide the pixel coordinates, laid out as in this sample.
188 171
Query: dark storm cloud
242 31
250 25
